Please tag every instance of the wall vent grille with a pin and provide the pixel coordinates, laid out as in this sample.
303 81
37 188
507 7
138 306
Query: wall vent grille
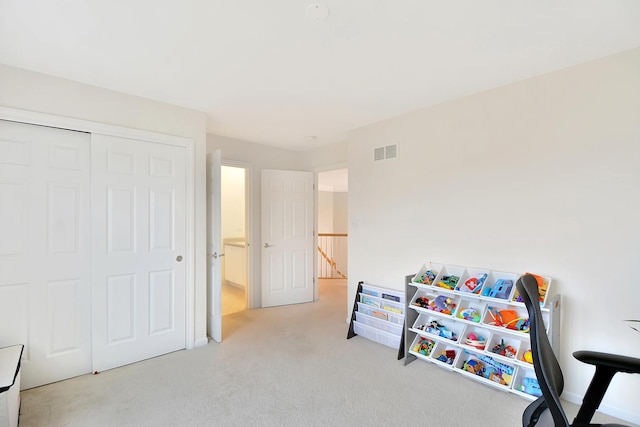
388 152
391 151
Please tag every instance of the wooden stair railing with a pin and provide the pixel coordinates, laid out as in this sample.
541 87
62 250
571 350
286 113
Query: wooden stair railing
327 258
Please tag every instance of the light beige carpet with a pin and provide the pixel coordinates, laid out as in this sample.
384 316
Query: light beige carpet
283 366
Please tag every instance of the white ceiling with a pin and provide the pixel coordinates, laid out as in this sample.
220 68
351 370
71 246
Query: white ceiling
265 72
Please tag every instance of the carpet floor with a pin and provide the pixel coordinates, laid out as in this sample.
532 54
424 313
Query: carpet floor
281 366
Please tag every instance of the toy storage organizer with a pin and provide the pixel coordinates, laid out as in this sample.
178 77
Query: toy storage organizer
378 315
456 316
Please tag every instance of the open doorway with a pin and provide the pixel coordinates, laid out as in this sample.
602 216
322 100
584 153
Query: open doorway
332 228
234 241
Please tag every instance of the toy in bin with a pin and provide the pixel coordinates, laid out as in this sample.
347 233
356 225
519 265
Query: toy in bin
423 346
427 277
543 286
436 328
470 314
473 284
527 357
504 349
442 304
448 282
476 341
501 289
447 356
530 386
474 366
508 319
422 302
496 371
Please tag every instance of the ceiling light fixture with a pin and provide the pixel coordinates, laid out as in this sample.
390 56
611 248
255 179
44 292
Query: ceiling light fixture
317 12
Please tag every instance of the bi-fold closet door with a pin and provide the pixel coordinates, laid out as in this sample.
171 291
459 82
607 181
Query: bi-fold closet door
92 235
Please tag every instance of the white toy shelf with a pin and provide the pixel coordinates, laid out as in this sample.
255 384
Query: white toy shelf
457 316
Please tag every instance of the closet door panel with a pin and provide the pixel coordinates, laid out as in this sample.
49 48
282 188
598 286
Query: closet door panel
139 275
45 289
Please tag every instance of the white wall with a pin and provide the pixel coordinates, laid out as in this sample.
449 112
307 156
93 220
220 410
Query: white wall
340 212
233 202
324 158
332 212
26 90
325 212
542 176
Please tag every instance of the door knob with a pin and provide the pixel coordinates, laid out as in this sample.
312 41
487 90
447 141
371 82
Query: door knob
179 258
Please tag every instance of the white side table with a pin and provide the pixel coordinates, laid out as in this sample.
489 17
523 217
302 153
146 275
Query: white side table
10 385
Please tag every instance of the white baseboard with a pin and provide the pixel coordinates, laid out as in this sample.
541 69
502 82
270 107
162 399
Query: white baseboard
605 409
201 342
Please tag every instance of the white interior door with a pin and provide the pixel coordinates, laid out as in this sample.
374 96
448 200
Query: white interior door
45 264
214 274
138 246
287 237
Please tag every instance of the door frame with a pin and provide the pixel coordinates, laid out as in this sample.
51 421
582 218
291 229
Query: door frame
248 220
43 119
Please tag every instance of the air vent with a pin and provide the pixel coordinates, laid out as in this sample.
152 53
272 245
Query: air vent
390 151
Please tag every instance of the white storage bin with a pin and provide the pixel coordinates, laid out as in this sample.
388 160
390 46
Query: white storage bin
500 285
444 330
442 303
475 367
471 310
526 384
472 281
377 335
470 340
509 317
525 348
446 272
544 284
422 347
486 368
441 354
503 347
427 274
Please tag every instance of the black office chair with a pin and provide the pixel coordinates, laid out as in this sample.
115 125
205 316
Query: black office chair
546 410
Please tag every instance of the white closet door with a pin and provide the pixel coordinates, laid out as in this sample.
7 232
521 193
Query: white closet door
138 245
45 264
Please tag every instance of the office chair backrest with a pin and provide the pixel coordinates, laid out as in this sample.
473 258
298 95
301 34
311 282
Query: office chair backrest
545 363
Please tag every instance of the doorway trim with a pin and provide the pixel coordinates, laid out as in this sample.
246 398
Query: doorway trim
51 120
248 219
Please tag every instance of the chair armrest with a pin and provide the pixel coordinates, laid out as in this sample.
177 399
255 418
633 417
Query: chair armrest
630 365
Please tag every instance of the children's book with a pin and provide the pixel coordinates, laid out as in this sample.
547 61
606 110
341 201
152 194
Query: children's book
369 301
